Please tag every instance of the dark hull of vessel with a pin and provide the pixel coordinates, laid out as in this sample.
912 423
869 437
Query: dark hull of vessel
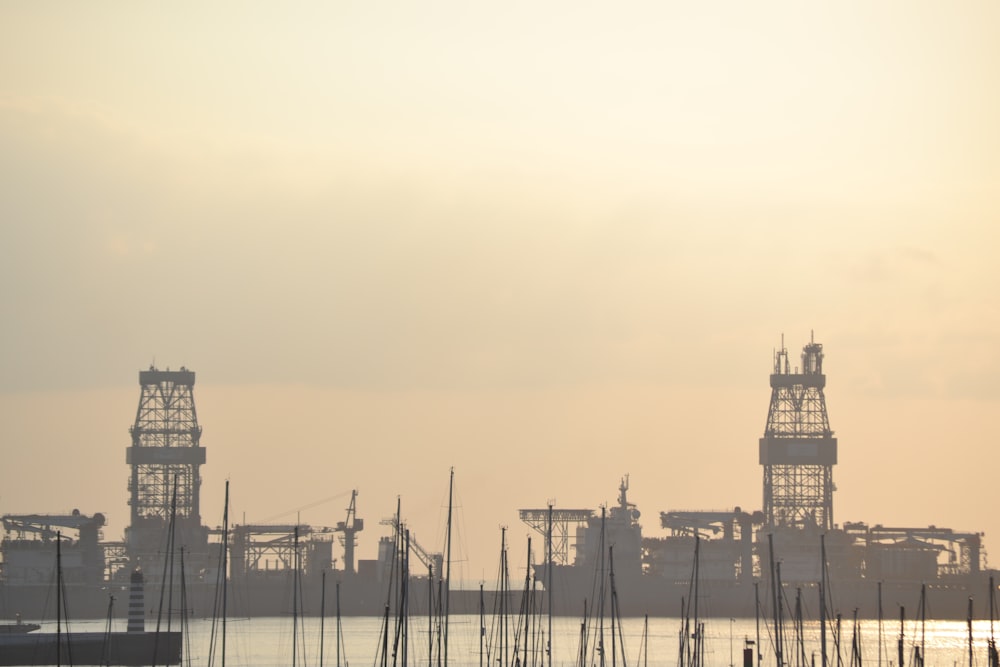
638 594
264 596
91 648
641 594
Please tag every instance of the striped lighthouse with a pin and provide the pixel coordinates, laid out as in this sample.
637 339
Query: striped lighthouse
136 603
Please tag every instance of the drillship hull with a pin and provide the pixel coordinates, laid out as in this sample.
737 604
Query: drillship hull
640 594
252 597
572 587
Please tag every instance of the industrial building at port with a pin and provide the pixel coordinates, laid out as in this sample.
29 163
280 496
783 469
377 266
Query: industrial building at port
797 454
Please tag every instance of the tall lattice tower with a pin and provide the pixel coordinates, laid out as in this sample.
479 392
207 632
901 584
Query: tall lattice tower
798 450
165 456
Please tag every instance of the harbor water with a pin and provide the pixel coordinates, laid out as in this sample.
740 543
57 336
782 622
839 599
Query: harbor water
268 642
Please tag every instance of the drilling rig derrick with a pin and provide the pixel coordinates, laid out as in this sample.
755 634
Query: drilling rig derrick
165 458
798 450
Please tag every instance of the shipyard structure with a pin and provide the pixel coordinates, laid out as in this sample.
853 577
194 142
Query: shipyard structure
168 541
757 561
733 562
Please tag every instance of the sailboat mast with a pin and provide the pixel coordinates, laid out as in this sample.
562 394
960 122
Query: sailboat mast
59 598
616 616
399 645
993 657
447 574
295 595
993 602
880 624
779 614
756 613
822 598
396 583
969 624
170 555
923 623
430 615
611 575
857 639
548 583
774 599
694 601
221 582
322 615
525 602
799 628
168 564
645 641
225 569
900 651
340 633
185 622
683 648
385 636
836 639
394 562
503 597
600 594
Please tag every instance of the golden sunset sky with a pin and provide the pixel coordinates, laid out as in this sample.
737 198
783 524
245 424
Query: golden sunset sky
546 244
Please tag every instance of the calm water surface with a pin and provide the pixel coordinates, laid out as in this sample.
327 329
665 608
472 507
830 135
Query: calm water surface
267 642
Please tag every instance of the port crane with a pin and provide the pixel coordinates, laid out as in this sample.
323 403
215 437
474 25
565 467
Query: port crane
43 525
350 527
434 562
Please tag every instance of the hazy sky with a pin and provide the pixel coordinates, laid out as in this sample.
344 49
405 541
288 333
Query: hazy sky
548 244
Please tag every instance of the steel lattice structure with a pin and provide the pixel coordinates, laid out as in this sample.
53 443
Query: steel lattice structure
538 519
798 450
165 457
